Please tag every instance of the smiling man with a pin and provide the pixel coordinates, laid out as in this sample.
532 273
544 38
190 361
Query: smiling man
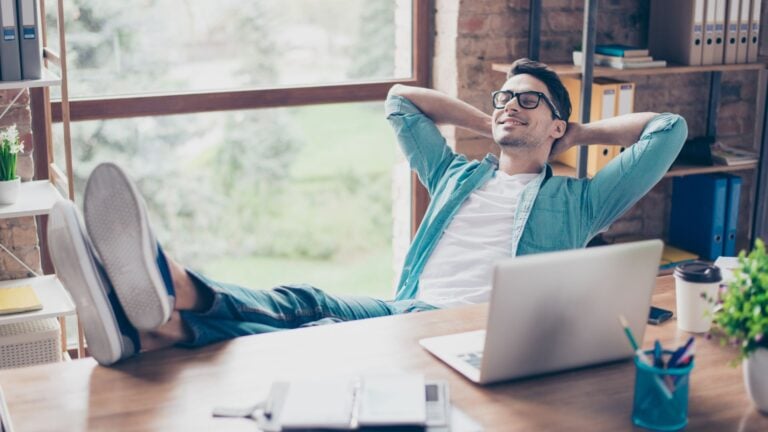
131 296
482 211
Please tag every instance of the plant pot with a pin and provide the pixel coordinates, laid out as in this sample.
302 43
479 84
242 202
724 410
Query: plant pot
9 191
756 378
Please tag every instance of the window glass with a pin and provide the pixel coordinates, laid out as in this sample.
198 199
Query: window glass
150 46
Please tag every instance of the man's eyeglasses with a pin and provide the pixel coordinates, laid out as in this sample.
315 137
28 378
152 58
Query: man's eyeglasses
526 99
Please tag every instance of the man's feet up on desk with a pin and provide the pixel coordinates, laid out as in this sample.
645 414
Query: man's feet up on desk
110 336
117 222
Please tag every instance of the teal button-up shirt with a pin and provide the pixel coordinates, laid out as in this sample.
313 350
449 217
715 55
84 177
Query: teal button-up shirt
554 213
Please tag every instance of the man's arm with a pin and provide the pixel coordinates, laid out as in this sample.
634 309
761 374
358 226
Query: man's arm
624 130
443 109
626 178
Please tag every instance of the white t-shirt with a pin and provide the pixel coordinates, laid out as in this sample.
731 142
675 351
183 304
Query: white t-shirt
459 270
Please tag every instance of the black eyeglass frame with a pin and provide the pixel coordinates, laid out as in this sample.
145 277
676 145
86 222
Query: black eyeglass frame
513 95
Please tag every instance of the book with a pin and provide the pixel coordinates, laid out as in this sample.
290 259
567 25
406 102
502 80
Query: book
620 62
631 65
725 155
621 50
672 256
18 299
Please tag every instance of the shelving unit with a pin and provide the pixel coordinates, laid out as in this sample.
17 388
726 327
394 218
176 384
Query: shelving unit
587 71
36 198
676 170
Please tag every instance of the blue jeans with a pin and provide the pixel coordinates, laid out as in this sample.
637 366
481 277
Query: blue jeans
237 311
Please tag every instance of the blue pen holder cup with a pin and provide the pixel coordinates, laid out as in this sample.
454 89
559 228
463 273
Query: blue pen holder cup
661 396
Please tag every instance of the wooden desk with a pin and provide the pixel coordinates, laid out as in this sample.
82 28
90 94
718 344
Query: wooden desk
176 389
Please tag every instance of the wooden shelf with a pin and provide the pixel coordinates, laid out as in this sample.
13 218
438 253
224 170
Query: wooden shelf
684 170
35 198
55 299
560 169
49 79
601 71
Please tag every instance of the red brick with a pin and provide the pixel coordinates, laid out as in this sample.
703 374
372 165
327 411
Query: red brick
475 24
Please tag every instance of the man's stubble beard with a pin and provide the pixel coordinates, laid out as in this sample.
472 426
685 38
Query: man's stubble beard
521 142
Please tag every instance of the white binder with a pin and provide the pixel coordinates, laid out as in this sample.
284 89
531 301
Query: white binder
719 31
754 32
29 42
708 55
10 68
731 31
743 43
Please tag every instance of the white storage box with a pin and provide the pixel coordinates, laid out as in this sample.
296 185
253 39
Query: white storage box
30 343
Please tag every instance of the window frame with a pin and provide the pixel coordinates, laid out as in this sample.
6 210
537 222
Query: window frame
154 104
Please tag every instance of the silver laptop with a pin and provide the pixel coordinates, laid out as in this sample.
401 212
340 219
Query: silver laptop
556 311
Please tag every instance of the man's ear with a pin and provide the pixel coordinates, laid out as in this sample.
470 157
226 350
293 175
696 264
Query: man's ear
559 129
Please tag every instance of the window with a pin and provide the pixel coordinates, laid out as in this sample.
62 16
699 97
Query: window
263 197
246 178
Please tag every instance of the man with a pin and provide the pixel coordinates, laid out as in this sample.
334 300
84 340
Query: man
132 297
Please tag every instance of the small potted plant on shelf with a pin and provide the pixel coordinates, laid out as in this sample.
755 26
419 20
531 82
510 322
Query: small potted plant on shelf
10 146
742 316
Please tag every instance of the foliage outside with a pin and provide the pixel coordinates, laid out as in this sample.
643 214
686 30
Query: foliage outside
742 312
10 147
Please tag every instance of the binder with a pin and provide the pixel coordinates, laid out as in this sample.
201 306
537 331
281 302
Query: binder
742 44
10 67
719 31
754 32
732 214
604 91
29 42
708 53
625 105
732 31
697 222
676 31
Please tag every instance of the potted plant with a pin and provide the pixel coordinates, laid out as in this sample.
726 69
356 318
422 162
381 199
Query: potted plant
742 315
10 146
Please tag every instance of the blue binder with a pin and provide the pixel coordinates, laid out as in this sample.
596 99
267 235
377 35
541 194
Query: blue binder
731 214
697 222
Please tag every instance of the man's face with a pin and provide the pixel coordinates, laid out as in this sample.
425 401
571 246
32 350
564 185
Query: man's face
518 127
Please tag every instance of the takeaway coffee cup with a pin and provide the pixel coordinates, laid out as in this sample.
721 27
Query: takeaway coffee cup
696 285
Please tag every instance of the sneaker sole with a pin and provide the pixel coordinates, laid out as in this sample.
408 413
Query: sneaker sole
119 228
79 275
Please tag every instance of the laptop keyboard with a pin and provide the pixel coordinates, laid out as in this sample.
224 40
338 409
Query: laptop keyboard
474 358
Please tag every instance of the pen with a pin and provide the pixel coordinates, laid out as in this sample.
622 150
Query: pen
658 361
681 352
628 332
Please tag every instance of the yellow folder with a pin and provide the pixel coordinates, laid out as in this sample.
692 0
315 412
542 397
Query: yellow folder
18 299
604 105
742 44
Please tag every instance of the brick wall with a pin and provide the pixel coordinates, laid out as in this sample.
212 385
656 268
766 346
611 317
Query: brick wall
19 234
472 34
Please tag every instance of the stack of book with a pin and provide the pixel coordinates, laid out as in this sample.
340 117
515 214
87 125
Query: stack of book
725 155
621 57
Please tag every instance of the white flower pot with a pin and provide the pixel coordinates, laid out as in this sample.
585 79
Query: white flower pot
9 191
756 378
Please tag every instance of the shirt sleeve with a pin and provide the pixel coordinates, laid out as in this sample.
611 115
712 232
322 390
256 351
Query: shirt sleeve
422 143
624 180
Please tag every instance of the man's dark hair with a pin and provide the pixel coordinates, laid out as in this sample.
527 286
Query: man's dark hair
546 75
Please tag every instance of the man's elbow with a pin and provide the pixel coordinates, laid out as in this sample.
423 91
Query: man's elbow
397 90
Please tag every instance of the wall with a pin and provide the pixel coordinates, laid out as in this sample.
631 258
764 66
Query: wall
472 34
19 234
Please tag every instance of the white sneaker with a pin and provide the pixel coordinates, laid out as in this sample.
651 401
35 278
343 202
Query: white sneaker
117 222
109 334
